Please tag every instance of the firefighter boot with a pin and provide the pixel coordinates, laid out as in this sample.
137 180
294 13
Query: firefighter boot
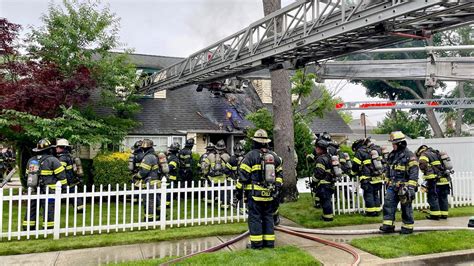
406 231
387 228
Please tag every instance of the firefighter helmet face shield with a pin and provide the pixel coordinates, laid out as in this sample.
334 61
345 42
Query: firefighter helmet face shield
261 136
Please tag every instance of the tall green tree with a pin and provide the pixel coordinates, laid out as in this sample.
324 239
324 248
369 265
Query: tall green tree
411 124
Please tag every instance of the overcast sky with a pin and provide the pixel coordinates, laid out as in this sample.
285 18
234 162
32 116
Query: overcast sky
176 28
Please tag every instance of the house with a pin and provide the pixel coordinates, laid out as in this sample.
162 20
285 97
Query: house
176 115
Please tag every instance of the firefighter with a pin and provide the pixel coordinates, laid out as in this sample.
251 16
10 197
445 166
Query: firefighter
186 162
73 168
147 175
236 159
402 185
260 176
436 183
43 171
217 169
323 183
173 162
367 164
134 158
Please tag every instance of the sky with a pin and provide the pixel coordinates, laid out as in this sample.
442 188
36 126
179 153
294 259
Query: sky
177 28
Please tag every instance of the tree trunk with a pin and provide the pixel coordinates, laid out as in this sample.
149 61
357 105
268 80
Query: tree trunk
283 130
460 112
427 93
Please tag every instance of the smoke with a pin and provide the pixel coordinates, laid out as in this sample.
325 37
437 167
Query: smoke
221 18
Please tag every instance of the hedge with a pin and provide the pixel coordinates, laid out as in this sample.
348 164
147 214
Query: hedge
111 168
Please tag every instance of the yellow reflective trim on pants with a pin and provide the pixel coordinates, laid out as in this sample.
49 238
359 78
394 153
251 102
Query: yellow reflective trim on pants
69 167
269 237
63 182
435 213
80 207
30 223
357 160
48 224
51 186
256 238
173 177
257 167
443 181
412 183
363 177
388 222
372 209
59 170
328 215
368 161
262 198
245 167
408 226
436 163
445 213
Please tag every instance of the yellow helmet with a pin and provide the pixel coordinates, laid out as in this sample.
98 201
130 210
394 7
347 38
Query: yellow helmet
397 136
261 136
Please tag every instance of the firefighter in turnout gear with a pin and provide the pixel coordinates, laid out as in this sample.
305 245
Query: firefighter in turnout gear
147 175
260 176
210 148
173 162
324 178
43 171
367 164
402 172
217 169
73 168
436 181
186 162
236 159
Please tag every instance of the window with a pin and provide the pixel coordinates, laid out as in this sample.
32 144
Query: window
161 143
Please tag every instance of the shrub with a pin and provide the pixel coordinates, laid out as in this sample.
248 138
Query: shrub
111 168
196 167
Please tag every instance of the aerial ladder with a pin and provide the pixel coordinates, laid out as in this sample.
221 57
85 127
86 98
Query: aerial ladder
308 31
455 103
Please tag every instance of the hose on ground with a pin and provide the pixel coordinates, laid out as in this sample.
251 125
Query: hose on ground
342 247
368 231
208 250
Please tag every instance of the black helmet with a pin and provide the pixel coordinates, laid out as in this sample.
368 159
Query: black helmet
220 145
325 136
137 144
43 144
174 147
420 150
210 146
238 149
189 143
322 144
147 143
357 144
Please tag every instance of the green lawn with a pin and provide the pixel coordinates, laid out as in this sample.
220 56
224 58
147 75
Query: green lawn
303 213
89 241
287 255
394 246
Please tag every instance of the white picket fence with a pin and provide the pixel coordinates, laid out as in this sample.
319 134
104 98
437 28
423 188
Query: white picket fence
112 208
348 197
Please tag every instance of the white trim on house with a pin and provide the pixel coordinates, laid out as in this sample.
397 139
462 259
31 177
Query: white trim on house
161 142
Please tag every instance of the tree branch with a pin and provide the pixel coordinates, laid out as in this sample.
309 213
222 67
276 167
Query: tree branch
405 88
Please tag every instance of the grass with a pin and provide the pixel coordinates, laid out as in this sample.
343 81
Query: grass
395 246
303 213
287 255
112 239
